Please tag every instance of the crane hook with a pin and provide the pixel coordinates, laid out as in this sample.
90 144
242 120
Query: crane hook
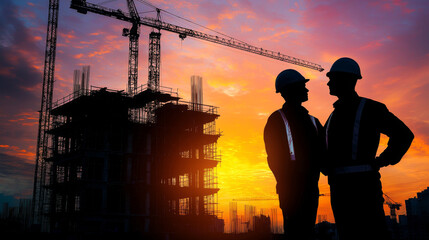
182 36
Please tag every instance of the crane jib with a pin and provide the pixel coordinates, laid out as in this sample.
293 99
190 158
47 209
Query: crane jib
83 7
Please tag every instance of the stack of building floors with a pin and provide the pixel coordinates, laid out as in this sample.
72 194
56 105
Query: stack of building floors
142 163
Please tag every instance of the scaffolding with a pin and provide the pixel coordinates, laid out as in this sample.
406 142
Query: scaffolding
113 167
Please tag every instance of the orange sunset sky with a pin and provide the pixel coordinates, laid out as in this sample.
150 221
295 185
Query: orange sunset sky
388 38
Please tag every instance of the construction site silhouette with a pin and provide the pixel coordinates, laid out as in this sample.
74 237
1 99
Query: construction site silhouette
141 162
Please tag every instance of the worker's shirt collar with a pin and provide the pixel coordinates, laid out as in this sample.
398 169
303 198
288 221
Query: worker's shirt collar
294 108
353 99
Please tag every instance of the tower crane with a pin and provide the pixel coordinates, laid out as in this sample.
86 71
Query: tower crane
39 192
82 6
392 205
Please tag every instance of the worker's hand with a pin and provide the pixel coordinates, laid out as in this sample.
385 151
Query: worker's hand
378 163
324 171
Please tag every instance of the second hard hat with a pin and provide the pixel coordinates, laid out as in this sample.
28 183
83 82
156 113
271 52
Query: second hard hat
345 65
287 77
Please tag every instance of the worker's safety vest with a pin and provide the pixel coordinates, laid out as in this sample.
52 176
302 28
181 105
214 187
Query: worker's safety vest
355 140
289 133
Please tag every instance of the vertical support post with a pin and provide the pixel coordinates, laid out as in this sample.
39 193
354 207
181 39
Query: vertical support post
39 191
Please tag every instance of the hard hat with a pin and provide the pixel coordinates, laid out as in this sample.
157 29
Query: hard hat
345 65
287 77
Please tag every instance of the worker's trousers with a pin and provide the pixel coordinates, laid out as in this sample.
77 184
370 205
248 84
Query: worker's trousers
299 214
357 204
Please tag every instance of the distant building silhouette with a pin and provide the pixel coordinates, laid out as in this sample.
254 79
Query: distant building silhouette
246 223
233 218
275 228
249 213
399 230
16 218
262 224
196 91
418 216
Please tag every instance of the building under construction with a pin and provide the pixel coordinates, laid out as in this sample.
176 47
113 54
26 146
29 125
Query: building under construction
121 163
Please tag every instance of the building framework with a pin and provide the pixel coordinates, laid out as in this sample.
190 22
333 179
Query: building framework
113 168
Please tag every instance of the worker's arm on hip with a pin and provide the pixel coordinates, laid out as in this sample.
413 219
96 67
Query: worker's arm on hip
400 138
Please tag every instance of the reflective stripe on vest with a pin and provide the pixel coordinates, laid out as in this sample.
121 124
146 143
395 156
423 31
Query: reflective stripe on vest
313 120
355 128
288 135
353 169
327 127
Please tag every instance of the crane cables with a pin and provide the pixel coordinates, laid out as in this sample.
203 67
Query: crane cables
108 1
192 22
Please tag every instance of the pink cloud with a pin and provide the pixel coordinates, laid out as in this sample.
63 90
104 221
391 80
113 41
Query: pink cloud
17 151
390 5
277 36
69 35
80 55
372 45
246 28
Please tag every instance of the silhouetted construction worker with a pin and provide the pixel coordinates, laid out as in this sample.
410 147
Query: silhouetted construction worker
352 136
294 141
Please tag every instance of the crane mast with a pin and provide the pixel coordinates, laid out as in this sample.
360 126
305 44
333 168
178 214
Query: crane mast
133 34
154 68
155 57
39 191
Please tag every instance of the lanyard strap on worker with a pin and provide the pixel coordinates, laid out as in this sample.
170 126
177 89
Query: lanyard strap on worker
356 127
288 135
